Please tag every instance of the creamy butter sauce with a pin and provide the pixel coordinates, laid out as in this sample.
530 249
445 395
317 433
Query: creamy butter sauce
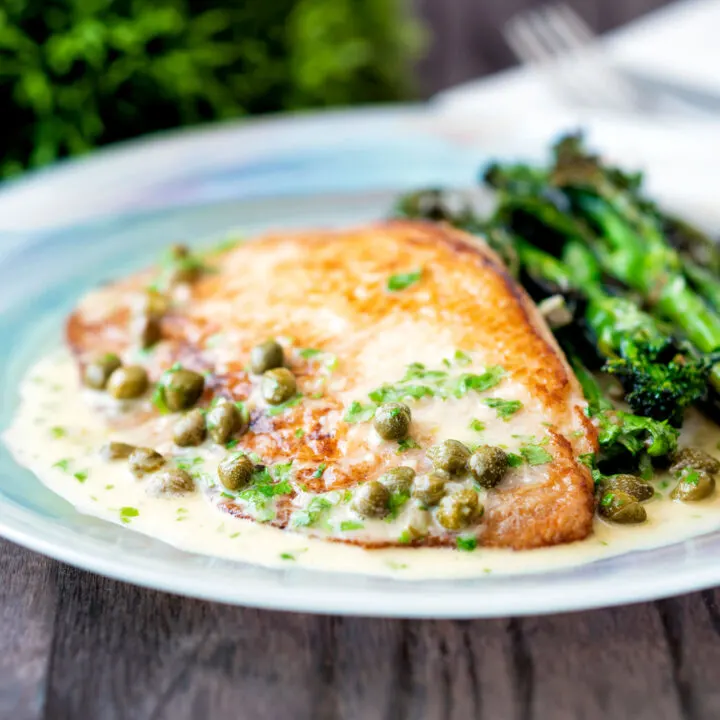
56 433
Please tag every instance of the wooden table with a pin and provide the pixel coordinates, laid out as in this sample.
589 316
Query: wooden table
76 646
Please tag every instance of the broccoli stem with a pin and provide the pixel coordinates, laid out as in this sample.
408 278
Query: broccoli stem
704 281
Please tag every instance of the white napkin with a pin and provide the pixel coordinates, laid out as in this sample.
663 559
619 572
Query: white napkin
678 43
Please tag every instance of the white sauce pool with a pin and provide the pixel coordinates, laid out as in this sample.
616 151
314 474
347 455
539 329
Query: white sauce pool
54 424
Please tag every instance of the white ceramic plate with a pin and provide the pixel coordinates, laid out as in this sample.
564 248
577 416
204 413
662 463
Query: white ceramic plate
314 179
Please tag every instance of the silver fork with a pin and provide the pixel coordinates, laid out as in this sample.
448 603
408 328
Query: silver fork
556 38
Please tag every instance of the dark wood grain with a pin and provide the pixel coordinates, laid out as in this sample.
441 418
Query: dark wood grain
76 645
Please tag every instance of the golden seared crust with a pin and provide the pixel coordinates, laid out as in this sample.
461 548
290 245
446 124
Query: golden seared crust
328 290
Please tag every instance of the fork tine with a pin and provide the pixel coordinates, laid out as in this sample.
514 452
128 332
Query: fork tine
524 42
540 36
574 28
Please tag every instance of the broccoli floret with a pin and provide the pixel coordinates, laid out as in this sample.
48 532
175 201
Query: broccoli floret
622 434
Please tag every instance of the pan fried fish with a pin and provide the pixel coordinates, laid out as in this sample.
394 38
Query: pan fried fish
384 385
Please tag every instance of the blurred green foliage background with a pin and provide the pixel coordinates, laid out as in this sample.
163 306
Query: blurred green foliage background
75 74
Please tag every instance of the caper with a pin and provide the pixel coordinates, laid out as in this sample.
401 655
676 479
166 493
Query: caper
392 421
173 481
459 509
153 303
224 421
235 471
429 489
398 479
695 459
143 461
629 484
146 330
116 451
487 465
182 388
450 455
98 372
278 385
694 485
371 499
190 429
619 507
266 356
128 382
185 268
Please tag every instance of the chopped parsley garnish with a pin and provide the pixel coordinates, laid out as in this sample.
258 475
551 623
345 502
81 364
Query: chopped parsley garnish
396 503
263 488
607 499
128 512
312 513
467 543
63 464
419 382
282 472
158 399
535 455
350 525
514 460
504 408
461 358
287 556
58 432
477 425
307 353
358 412
230 444
407 444
299 432
405 537
282 407
319 471
402 281
81 475
691 477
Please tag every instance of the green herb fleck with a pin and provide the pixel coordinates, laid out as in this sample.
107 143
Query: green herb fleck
466 542
477 425
514 460
109 487
282 407
349 525
230 444
396 565
234 535
402 281
58 432
691 477
505 408
359 413
407 444
63 464
182 511
287 556
396 503
405 538
299 432
308 353
81 475
535 455
312 513
128 512
607 499
319 471
461 358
